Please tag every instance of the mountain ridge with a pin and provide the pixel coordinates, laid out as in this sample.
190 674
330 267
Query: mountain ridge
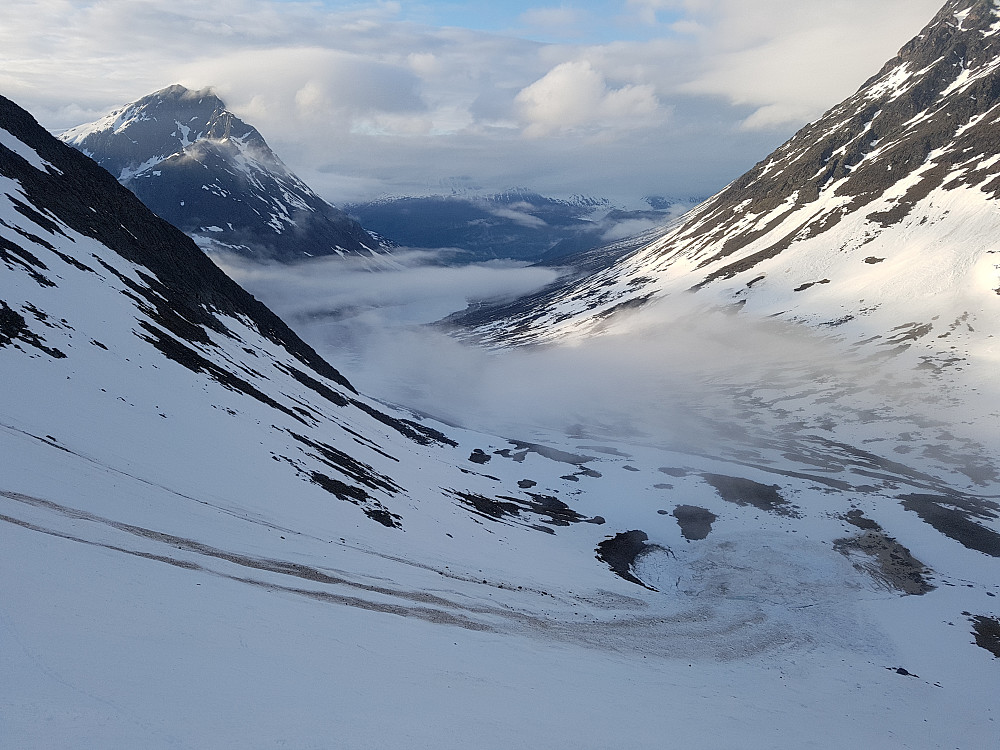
823 228
195 287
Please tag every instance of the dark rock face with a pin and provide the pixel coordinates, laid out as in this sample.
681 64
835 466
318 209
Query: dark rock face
531 511
879 555
987 632
952 516
696 523
188 292
621 552
742 491
197 165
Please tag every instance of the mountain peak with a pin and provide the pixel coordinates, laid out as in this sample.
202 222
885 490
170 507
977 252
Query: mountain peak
203 169
139 135
177 91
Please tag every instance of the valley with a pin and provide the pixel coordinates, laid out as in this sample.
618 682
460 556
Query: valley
732 481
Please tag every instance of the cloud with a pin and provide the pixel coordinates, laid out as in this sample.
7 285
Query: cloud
523 218
673 374
365 99
790 60
410 288
573 95
629 228
562 21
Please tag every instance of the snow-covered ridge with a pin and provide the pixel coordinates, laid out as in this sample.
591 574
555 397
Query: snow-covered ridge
27 153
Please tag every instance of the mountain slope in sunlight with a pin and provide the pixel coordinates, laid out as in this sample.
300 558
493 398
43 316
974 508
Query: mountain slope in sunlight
877 222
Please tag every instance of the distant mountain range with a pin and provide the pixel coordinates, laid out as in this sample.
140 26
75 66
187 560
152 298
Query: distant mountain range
518 224
197 165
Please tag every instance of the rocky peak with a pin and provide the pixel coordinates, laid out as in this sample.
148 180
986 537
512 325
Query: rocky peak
157 126
203 169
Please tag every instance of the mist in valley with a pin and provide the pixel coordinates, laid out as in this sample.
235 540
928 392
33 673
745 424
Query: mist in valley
675 374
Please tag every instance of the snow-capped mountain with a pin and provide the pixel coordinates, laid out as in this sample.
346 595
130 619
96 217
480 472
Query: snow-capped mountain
211 538
517 224
204 170
878 222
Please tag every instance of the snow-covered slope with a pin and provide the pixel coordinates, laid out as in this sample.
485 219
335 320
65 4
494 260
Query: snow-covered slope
203 169
209 538
878 222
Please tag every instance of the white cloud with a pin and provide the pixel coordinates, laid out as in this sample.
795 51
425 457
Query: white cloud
519 217
366 102
561 21
574 95
790 60
665 371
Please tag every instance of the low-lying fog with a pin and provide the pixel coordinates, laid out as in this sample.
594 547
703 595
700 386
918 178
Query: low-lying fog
678 376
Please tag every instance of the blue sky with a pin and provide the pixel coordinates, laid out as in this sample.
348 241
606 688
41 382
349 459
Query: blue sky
611 99
590 21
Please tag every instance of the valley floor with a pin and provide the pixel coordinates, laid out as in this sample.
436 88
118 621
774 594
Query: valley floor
118 630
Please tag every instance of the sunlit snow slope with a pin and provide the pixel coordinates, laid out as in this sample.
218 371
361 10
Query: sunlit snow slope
197 165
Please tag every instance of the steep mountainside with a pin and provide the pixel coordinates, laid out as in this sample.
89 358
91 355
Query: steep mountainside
204 170
878 221
517 224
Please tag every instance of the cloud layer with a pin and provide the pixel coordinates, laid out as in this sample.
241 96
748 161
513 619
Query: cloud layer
671 373
672 97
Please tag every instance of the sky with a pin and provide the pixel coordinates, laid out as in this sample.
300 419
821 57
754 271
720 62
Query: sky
611 99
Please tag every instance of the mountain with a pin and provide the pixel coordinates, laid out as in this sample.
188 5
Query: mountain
877 222
517 224
211 537
204 170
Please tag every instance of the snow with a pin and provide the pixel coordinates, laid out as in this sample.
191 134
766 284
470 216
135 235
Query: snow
8 141
185 134
195 660
127 173
166 594
969 76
